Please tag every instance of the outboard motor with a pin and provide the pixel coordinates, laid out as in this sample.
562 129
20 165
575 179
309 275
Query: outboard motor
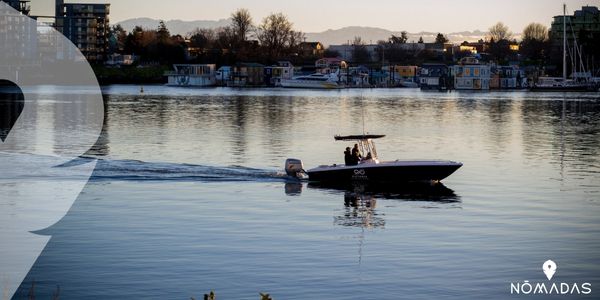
294 167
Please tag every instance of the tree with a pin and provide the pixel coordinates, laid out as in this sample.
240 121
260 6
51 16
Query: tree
202 38
276 35
535 45
535 31
420 40
441 39
162 33
499 32
360 53
120 38
241 23
394 39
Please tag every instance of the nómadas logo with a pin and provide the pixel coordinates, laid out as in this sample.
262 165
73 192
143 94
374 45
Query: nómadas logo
550 288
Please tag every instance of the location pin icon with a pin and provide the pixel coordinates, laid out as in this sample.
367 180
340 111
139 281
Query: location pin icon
549 268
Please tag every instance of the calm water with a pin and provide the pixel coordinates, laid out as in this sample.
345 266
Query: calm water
189 197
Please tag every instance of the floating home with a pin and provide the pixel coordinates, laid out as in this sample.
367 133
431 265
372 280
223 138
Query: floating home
471 75
189 75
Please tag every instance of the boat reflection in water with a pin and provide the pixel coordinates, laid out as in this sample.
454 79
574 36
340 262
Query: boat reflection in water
359 211
360 198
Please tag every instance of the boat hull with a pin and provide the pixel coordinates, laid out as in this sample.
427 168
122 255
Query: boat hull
561 89
385 172
309 85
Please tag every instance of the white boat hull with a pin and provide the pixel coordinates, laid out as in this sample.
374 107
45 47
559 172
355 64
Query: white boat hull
294 83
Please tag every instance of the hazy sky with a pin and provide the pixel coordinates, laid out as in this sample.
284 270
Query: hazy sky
319 15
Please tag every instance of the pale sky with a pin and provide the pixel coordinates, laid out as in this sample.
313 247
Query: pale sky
319 15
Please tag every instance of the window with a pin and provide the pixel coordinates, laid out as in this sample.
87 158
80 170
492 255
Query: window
476 72
467 72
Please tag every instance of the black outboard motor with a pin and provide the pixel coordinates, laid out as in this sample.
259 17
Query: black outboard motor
294 168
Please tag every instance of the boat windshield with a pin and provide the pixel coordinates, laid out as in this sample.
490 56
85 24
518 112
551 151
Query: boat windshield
365 144
368 147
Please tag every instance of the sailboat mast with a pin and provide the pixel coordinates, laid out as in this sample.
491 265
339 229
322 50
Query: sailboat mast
564 41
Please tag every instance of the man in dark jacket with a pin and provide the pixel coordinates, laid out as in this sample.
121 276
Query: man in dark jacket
348 157
356 156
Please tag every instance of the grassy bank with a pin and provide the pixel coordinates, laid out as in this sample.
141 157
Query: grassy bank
130 74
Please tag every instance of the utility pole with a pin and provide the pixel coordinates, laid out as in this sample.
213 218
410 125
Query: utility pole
564 41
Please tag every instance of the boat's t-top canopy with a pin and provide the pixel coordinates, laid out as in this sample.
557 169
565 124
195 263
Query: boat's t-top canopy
358 137
365 143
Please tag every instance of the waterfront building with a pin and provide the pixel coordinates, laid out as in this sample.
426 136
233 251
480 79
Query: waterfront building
22 46
328 64
585 21
21 5
434 77
405 76
191 75
247 75
223 75
117 60
471 75
356 76
87 26
284 70
507 77
480 46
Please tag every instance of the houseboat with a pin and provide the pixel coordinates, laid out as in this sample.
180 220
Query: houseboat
247 75
435 77
284 70
189 75
471 75
507 77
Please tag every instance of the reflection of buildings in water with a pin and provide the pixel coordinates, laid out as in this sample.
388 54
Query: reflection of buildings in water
564 130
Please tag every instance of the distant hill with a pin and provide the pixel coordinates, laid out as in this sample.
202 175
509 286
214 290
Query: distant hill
328 37
373 34
175 26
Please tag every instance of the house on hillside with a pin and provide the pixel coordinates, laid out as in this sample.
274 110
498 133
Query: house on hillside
311 49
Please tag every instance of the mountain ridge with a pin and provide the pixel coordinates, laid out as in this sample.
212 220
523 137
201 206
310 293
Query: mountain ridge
338 36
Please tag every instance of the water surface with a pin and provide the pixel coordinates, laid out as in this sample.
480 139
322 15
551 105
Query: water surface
189 196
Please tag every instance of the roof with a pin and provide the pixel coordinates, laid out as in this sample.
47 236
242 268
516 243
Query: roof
358 137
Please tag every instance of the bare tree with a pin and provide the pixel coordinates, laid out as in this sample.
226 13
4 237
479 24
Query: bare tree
499 32
360 54
535 31
241 23
276 34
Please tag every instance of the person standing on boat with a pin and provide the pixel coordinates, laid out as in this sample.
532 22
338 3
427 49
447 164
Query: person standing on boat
348 157
356 156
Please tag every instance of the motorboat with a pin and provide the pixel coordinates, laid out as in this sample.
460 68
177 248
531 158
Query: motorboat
371 169
559 84
314 81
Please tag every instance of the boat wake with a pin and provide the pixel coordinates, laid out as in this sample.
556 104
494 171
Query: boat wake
135 170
